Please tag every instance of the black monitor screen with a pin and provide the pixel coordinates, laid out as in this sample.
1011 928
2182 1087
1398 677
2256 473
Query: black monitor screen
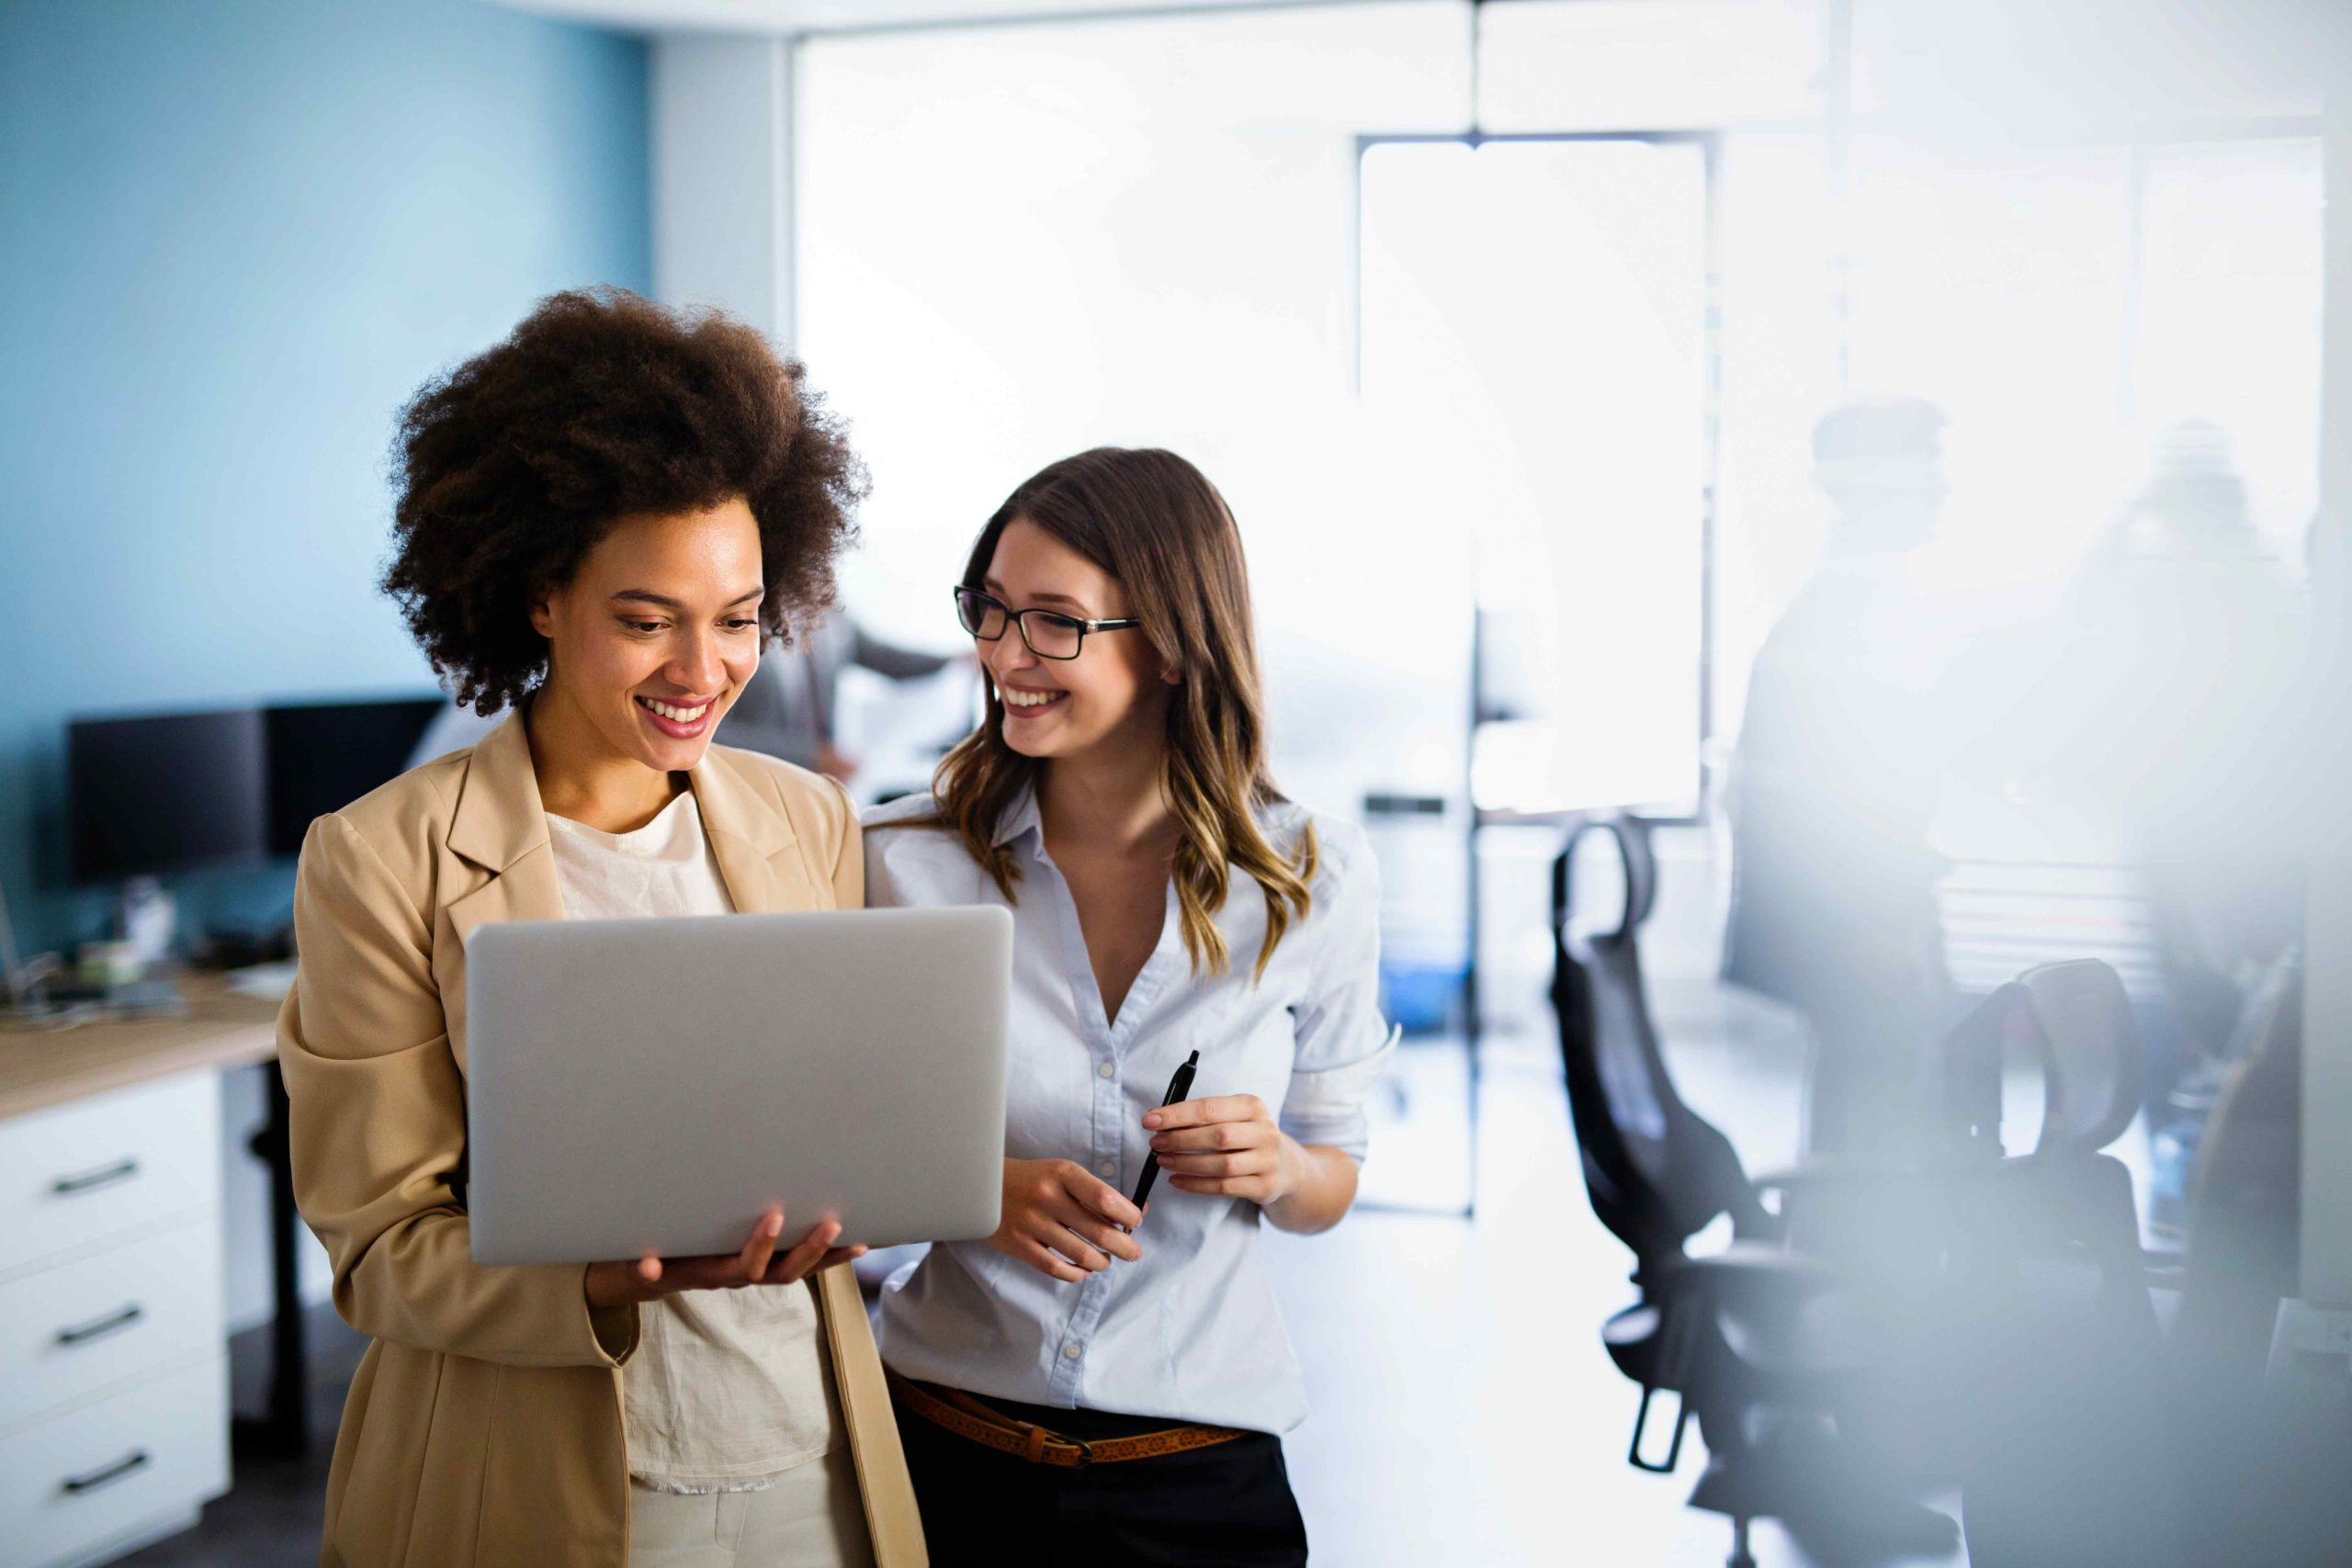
323 756
152 795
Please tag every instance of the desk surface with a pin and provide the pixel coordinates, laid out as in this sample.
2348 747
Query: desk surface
221 1029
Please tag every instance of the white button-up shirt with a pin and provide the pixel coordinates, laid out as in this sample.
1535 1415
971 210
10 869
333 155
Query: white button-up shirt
1190 1332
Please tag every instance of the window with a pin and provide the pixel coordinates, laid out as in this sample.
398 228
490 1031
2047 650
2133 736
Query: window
1536 313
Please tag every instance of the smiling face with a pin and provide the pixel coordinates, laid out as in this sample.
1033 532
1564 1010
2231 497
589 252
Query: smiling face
1114 692
655 636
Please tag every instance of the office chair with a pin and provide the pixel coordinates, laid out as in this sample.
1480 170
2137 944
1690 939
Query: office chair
2065 1207
2061 1439
1751 1339
2014 1281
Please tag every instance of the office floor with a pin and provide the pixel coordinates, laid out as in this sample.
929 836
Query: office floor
1464 1415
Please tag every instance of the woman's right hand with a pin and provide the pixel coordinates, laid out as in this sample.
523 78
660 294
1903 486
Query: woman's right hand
1062 1221
649 1278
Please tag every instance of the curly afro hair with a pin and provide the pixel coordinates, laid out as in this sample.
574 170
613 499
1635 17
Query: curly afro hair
601 405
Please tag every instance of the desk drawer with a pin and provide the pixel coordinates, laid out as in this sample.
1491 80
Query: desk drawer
75 1175
76 1327
109 1473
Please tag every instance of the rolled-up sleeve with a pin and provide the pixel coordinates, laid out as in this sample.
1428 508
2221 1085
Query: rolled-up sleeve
1343 1042
379 1132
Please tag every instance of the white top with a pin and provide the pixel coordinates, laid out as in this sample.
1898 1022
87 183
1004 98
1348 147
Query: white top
726 1387
1192 1332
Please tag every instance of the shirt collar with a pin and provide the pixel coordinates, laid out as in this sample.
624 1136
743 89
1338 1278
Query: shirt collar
1020 818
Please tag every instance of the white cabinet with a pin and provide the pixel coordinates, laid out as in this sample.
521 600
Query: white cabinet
105 1319
75 1178
104 1477
114 1419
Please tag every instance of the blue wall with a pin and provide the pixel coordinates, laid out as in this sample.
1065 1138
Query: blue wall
234 236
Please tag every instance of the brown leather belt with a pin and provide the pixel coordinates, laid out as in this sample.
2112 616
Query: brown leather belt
968 1417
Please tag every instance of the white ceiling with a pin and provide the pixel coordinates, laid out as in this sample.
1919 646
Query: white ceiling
836 16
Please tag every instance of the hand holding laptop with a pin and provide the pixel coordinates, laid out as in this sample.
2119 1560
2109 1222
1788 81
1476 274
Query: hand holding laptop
649 1277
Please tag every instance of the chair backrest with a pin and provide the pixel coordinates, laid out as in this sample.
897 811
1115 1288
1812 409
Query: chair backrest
2091 1056
2075 1021
1656 1171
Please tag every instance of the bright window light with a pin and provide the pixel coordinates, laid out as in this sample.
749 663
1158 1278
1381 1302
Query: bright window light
1543 305
1014 244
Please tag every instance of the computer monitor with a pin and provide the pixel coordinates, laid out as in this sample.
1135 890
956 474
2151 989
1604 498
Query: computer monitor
152 797
156 796
323 756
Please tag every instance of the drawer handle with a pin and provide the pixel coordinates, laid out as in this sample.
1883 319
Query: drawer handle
91 1181
132 1461
99 1327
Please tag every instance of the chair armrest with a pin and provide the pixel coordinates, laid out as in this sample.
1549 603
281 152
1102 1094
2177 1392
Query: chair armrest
1750 1272
1749 1257
1842 1171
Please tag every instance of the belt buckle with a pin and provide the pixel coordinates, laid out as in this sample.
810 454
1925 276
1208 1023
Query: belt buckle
1085 1451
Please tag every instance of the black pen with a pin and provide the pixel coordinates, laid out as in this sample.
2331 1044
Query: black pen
1178 1087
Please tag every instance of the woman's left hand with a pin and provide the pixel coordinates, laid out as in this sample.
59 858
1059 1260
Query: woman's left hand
1227 1146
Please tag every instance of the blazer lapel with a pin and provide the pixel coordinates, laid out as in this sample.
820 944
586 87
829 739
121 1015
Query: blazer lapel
525 889
500 828
758 852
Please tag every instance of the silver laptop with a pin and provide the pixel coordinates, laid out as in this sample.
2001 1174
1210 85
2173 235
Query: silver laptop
658 1083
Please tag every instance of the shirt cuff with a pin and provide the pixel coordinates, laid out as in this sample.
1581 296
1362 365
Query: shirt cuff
615 1328
1325 1106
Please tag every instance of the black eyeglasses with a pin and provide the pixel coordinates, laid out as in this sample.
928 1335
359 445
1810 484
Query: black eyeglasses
1049 634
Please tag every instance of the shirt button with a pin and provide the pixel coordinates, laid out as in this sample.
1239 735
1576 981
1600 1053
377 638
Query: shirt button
1108 1169
1072 1351
1104 1069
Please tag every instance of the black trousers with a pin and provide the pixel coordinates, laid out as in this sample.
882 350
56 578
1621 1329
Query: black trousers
1227 1507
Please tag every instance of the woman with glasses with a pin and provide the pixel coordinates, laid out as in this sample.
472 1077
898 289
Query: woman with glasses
1099 1379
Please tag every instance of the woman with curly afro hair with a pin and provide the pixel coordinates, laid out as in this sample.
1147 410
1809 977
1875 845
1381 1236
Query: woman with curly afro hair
600 521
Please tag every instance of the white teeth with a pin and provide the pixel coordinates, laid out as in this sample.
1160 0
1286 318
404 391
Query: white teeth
675 715
1027 699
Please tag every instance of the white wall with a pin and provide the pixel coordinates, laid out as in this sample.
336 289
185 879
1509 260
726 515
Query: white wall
722 204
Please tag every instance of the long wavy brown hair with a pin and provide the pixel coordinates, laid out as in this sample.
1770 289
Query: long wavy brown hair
1155 522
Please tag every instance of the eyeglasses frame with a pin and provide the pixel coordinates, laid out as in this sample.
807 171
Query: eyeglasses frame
1020 618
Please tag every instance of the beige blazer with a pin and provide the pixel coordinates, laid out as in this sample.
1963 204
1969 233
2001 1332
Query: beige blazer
484 1424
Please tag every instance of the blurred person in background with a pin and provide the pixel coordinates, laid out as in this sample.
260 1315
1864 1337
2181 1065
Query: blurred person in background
790 708
2264 1448
2187 639
1835 781
2174 725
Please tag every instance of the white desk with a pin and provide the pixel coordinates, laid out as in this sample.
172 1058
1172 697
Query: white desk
113 1373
